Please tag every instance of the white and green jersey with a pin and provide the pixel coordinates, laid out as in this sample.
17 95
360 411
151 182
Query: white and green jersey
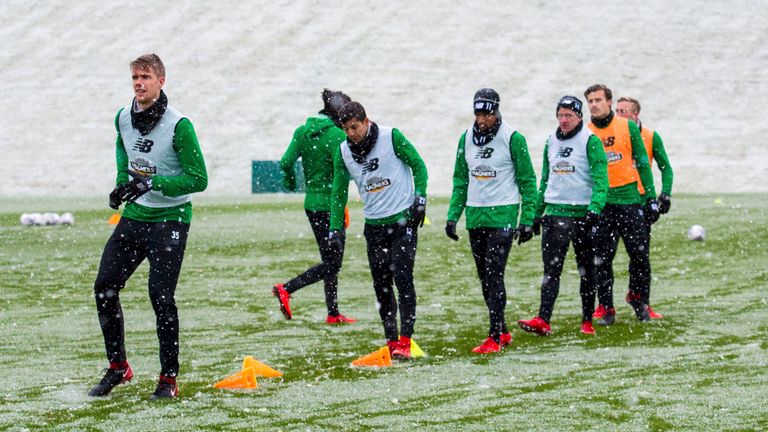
570 177
492 180
153 155
384 181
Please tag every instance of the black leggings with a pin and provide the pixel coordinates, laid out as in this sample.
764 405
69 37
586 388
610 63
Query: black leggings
557 233
625 221
162 243
391 255
647 295
328 269
490 248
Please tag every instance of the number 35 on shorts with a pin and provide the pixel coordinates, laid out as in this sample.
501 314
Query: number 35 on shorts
175 239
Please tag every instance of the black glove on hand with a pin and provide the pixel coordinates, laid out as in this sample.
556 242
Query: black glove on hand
665 202
137 187
450 230
651 211
536 226
336 240
524 233
116 196
289 183
589 224
590 220
418 211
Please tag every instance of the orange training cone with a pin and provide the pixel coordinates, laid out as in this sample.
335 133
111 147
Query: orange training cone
114 219
259 368
378 358
245 379
346 217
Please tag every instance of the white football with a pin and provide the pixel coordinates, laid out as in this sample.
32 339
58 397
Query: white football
25 219
67 219
51 218
37 219
696 233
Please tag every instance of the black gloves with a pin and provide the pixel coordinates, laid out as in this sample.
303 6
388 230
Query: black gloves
138 186
336 240
665 202
651 211
116 196
450 230
589 223
590 220
536 226
289 182
418 212
523 233
131 191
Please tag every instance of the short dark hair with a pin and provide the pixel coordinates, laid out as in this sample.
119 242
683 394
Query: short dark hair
633 101
332 103
597 87
151 62
352 111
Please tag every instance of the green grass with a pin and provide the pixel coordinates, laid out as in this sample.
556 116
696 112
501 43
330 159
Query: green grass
701 368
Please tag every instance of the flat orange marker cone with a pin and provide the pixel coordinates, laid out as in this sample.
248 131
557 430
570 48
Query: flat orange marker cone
245 380
259 368
114 219
347 220
378 358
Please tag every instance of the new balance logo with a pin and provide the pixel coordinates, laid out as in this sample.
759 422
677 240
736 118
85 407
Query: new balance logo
371 165
609 141
564 152
613 156
484 153
143 145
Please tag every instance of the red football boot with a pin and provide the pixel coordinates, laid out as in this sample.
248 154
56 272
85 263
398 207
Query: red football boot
609 317
402 350
505 339
284 298
115 375
599 312
339 319
638 305
489 346
536 325
586 328
392 346
166 388
653 314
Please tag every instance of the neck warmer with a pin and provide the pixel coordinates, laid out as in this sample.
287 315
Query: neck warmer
146 120
603 122
361 150
561 136
483 138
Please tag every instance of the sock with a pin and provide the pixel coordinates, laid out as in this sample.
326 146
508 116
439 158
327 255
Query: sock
118 365
168 379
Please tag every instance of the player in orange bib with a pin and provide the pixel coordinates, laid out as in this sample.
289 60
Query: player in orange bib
629 108
626 213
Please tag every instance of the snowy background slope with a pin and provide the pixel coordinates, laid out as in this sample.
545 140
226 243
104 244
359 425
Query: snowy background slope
247 73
